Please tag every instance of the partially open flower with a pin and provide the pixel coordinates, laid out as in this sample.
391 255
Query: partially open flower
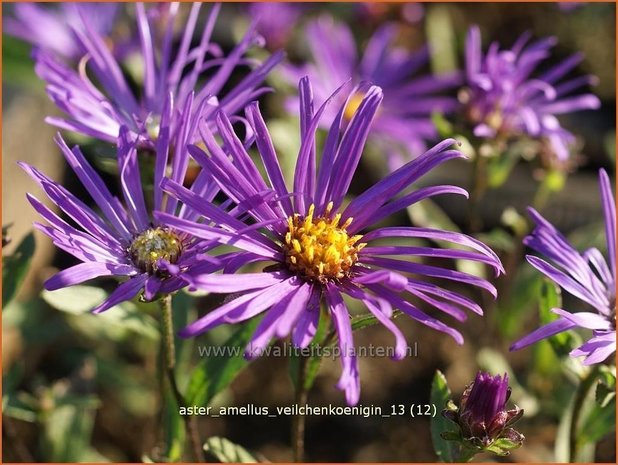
483 419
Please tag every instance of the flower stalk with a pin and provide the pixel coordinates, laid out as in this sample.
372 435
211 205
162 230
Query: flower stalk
298 424
583 389
168 348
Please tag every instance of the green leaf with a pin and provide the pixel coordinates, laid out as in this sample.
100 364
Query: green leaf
174 429
519 303
442 125
77 300
606 389
550 297
80 300
215 373
228 452
15 267
440 395
499 168
441 39
364 321
68 429
599 422
17 65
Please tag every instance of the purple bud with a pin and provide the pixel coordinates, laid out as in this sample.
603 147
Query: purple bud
482 415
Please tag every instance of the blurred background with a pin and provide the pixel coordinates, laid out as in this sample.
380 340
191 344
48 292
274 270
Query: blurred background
93 379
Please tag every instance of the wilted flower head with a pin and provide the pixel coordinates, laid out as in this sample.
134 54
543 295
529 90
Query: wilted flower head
503 99
124 240
482 416
404 121
316 248
98 110
587 276
51 27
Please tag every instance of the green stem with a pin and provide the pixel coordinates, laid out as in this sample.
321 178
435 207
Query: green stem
169 363
515 255
581 394
479 186
298 425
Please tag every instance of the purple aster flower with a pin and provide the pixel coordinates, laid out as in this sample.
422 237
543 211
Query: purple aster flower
51 28
99 110
404 121
275 21
125 240
317 248
483 418
587 276
503 99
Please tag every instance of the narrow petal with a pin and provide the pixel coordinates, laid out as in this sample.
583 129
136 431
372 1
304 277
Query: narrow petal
77 274
307 324
226 283
125 291
585 319
401 345
609 210
350 379
390 279
558 326
240 309
406 307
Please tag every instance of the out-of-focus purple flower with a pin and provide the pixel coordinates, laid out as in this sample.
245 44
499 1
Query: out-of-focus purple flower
51 28
587 276
483 418
99 110
413 12
321 249
404 121
125 240
568 7
275 21
504 100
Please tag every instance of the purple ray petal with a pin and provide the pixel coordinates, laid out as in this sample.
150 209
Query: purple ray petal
584 319
77 274
349 380
240 309
125 291
558 326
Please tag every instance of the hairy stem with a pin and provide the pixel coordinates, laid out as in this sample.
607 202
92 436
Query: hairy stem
169 363
581 394
298 425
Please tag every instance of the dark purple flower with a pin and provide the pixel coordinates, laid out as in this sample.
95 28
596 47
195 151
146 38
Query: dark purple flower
124 240
587 276
275 21
504 99
404 121
51 28
99 110
318 249
483 418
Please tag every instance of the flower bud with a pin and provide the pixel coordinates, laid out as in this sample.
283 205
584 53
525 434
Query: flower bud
483 419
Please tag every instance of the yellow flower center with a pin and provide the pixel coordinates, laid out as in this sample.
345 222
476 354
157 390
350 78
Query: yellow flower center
320 249
352 106
151 246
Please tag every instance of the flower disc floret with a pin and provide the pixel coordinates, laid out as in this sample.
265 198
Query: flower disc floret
153 245
320 249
